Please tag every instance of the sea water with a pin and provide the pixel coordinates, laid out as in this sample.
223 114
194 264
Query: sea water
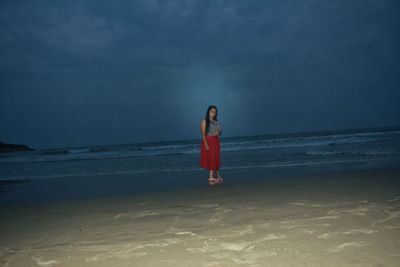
24 176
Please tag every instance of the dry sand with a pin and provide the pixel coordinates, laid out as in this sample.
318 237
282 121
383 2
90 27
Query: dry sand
342 219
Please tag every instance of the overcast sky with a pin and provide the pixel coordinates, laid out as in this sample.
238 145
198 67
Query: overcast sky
108 72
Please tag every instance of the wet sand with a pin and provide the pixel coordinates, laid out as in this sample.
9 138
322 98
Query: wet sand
347 218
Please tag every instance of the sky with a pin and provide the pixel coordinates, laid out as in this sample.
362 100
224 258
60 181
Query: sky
76 73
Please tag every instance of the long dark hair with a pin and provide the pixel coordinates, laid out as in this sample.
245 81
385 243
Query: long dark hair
208 116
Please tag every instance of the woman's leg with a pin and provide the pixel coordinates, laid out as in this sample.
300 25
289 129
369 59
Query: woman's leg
219 176
212 180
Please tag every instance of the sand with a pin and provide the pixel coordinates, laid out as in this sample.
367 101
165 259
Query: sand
338 219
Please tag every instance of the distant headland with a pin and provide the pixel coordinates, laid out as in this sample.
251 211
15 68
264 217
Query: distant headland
13 148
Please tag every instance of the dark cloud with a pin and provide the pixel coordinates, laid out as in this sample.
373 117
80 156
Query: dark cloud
104 72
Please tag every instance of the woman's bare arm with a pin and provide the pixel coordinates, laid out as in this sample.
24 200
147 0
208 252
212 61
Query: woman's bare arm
203 132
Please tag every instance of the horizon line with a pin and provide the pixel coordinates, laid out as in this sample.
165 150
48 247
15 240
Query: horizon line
228 137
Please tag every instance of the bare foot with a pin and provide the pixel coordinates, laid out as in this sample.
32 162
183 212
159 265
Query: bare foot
213 181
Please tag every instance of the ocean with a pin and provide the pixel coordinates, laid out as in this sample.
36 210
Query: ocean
115 169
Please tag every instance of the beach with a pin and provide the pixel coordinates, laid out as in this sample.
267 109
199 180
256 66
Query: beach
118 120
331 218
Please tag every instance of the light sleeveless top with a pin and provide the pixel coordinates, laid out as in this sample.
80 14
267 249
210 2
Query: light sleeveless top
214 125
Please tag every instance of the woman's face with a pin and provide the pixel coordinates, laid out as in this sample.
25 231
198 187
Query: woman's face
212 113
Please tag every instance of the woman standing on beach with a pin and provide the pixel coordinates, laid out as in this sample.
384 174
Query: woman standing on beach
210 145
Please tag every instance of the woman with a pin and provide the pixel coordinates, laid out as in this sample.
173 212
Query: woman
210 145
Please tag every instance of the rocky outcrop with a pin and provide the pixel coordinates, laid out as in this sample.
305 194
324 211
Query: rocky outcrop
13 148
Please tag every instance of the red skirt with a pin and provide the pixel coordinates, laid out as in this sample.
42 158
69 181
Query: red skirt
210 159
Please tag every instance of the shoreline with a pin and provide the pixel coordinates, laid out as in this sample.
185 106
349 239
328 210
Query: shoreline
80 187
87 186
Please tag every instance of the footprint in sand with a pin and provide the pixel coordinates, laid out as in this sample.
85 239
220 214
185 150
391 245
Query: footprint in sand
175 231
355 244
219 214
41 262
269 237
